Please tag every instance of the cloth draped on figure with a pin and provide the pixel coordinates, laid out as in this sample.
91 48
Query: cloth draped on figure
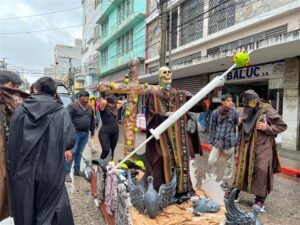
41 132
175 146
9 99
258 157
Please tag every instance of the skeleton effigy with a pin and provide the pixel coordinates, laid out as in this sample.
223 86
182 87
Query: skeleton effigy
130 200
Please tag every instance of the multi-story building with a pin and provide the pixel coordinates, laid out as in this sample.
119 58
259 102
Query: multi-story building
49 71
206 33
122 37
67 60
90 42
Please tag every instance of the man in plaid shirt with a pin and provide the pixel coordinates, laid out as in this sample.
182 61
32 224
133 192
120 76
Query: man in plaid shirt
223 137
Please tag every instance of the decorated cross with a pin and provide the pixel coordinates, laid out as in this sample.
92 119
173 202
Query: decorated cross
132 88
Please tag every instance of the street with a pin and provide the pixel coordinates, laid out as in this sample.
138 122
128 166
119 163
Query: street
282 204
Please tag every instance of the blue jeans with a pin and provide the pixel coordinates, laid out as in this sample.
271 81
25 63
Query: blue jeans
81 141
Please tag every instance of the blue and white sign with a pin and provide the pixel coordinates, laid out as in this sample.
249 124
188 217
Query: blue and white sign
247 73
259 72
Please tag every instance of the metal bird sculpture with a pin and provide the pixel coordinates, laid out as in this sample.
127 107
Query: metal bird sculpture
204 205
136 194
151 199
167 192
236 216
140 200
87 171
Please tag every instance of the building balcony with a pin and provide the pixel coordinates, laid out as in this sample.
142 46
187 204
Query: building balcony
106 7
97 13
155 13
80 78
268 50
115 64
118 30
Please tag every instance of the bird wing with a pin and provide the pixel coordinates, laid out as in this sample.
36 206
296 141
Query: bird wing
167 192
235 215
136 194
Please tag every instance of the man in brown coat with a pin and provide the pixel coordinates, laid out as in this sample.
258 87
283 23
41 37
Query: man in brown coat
10 98
258 158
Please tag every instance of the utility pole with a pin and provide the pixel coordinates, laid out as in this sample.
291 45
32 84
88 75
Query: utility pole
170 36
70 76
163 4
3 64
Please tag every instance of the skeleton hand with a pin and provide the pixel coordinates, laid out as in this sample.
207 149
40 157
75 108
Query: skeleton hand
168 114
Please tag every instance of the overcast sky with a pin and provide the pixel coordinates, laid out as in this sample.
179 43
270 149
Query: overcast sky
34 51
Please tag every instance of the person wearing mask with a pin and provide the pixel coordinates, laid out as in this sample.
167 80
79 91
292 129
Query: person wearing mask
82 116
109 131
11 97
223 138
40 142
258 157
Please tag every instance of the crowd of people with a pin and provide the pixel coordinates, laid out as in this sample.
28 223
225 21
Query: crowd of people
40 140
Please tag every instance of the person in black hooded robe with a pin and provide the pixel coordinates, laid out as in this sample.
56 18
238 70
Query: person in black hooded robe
40 140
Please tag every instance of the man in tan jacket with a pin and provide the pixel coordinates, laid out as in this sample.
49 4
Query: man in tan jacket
10 98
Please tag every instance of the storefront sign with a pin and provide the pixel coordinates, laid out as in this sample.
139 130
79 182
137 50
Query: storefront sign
266 71
247 73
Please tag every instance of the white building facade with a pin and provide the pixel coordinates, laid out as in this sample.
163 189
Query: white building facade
205 35
67 58
49 71
90 42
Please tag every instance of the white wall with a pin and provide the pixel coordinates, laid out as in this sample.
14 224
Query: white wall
290 138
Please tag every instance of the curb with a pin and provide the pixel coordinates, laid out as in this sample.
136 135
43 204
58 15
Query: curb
285 170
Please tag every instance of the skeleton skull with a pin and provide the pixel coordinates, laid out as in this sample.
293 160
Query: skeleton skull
165 75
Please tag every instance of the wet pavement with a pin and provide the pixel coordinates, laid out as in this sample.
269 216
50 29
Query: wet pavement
282 204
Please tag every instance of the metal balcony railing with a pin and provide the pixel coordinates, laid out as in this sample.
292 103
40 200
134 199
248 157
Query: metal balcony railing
191 61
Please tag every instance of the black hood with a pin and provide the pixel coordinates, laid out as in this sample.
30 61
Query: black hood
39 105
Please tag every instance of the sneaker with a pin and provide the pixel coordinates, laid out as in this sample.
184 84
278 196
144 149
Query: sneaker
259 207
68 178
78 173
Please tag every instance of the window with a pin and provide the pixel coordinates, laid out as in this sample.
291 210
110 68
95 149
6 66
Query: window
124 10
125 43
96 32
104 57
191 27
221 15
174 27
104 28
153 39
97 2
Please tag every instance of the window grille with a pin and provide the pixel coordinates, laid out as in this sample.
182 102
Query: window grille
191 26
221 15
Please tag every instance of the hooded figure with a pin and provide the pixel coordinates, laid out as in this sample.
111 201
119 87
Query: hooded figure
10 98
258 158
41 135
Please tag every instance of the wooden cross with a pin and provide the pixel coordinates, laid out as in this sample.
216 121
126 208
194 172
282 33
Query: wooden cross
132 88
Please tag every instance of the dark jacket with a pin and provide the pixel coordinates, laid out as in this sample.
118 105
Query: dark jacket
41 132
10 98
83 120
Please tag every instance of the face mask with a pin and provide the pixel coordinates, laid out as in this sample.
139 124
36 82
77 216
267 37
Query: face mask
252 103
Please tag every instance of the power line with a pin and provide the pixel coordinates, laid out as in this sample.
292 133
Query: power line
41 14
53 29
